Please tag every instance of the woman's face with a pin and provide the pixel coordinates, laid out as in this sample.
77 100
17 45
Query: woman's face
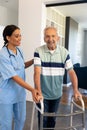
15 38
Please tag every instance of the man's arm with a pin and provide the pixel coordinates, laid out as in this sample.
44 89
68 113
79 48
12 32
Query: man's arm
74 81
37 72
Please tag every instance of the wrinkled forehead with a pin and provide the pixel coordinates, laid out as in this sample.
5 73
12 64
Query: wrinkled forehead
50 30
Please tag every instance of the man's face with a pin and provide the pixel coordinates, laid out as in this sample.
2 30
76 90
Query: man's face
51 38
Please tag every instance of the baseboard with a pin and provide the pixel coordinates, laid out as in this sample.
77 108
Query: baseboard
67 84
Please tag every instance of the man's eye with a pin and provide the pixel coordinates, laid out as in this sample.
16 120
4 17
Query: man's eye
47 36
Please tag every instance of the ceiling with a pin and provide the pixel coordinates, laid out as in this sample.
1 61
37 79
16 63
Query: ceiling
11 4
56 1
77 11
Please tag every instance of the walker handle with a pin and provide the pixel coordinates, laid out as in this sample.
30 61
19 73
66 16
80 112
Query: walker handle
82 103
41 110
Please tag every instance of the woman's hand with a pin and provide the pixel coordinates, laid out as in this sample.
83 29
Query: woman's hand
37 96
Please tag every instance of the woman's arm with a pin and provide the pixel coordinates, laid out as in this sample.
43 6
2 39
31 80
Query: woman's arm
29 63
22 83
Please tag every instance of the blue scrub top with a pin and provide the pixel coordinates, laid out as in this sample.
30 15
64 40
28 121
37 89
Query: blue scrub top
10 91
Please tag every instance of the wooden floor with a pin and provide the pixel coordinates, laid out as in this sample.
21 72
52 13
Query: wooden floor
64 107
67 94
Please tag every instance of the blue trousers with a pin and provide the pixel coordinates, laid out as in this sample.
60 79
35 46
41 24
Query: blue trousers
50 106
12 112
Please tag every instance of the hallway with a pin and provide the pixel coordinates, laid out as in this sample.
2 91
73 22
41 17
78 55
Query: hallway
64 108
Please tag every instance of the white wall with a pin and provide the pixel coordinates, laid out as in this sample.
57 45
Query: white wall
84 49
31 22
1 38
79 46
73 31
8 16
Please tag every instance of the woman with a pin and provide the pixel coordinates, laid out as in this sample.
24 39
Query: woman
12 81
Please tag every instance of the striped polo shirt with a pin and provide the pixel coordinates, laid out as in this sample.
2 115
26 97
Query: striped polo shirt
53 66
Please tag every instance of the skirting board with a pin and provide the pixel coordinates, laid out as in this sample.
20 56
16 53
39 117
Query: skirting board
67 84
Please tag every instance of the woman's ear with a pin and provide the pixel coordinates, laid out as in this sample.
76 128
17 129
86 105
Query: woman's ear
8 38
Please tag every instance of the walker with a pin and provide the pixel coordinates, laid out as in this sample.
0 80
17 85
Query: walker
71 126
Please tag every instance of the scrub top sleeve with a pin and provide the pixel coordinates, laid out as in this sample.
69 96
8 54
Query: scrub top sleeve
6 69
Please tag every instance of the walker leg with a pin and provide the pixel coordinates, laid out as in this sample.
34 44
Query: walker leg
32 117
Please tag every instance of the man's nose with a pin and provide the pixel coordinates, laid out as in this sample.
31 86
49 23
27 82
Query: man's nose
50 38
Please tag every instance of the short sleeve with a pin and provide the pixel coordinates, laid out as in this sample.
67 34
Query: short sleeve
37 60
68 63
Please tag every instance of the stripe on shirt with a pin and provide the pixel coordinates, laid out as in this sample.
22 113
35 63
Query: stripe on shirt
36 54
67 58
47 71
37 61
52 64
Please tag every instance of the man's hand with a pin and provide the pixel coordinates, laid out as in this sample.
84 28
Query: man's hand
77 95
